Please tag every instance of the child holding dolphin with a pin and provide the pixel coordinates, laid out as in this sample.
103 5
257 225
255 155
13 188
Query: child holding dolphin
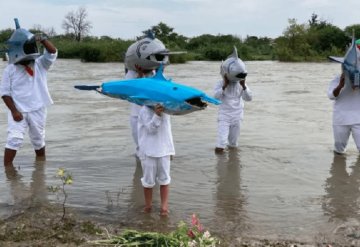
232 91
142 58
156 147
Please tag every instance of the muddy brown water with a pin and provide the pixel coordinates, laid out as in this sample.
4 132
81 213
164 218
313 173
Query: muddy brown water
283 182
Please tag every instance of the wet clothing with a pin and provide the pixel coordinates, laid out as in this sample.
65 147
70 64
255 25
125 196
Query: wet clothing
346 115
231 112
31 96
155 146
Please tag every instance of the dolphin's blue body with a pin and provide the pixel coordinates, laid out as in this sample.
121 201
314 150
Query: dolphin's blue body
176 98
350 64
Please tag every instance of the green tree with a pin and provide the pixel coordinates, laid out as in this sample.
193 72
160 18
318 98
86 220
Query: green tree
167 35
353 28
293 46
323 36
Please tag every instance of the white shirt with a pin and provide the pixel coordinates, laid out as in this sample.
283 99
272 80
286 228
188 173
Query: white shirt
154 133
134 108
346 109
29 93
232 98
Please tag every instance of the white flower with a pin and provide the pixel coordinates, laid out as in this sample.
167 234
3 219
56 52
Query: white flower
206 235
192 243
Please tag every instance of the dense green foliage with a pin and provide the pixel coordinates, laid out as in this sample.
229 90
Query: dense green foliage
312 41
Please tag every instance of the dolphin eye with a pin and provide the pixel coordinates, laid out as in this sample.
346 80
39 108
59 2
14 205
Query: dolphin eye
175 88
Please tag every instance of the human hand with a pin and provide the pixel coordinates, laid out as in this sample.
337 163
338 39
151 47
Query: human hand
17 116
159 109
242 83
342 80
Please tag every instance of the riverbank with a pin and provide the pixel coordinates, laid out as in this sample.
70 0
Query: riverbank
42 225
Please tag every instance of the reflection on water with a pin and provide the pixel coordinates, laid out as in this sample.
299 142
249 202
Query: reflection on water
282 182
23 195
342 200
343 190
229 209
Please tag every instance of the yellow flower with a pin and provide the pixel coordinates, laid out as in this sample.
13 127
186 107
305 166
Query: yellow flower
68 181
60 172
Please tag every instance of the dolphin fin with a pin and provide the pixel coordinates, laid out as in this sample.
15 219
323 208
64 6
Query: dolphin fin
336 59
159 73
234 54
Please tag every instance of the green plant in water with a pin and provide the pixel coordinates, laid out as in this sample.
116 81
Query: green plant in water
185 235
66 179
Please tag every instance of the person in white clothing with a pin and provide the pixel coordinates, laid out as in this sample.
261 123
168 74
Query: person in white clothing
134 108
346 113
156 148
25 93
232 91
141 60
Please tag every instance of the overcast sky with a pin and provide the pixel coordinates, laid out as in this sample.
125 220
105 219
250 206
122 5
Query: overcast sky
127 19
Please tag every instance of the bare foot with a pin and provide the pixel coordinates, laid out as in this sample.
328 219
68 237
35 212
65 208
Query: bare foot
164 212
147 210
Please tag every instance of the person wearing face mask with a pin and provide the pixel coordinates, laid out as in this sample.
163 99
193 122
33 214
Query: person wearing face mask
232 91
25 92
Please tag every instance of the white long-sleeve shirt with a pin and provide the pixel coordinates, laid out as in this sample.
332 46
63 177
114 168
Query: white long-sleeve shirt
232 98
154 133
29 93
346 109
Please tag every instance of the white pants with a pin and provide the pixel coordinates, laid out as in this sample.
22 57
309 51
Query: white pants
34 122
228 133
342 134
134 128
155 169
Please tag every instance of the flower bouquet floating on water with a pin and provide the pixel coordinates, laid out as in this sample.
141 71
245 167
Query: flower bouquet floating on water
185 235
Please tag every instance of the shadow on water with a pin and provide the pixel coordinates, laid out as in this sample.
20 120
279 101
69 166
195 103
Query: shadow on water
229 206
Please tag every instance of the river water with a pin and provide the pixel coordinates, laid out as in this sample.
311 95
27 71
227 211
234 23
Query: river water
283 182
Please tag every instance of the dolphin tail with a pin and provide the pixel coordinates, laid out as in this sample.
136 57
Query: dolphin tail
85 87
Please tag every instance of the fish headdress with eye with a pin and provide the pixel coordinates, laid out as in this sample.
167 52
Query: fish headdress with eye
148 53
21 45
350 64
233 67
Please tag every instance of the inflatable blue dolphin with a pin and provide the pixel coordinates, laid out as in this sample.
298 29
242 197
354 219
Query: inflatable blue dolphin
350 64
176 98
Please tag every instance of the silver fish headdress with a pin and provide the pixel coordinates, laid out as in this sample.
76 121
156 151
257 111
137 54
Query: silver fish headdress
21 45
